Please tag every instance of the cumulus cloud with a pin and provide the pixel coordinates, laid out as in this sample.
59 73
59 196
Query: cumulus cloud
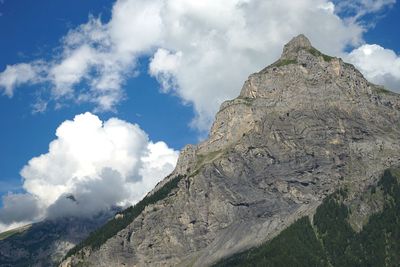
90 166
201 51
379 65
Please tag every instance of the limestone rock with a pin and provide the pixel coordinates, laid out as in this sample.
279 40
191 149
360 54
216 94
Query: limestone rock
300 129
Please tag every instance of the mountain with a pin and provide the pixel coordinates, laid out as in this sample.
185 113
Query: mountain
45 243
307 135
330 239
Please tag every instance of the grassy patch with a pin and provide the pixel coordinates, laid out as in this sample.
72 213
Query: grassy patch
12 232
112 227
382 90
317 53
284 62
7 234
349 65
203 159
82 264
248 101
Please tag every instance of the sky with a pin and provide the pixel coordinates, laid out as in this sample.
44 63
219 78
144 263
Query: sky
96 93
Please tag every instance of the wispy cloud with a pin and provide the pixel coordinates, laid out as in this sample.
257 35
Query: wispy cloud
356 9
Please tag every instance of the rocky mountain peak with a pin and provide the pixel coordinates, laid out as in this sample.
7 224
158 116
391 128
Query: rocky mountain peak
295 45
303 66
303 127
303 78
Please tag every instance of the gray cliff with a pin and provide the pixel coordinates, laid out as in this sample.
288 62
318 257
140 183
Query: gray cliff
300 129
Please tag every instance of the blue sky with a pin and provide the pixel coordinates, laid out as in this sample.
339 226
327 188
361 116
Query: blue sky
178 63
386 33
33 29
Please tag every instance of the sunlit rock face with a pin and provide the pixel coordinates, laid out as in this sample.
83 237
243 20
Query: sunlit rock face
300 129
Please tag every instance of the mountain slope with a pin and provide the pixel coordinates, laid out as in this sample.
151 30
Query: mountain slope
300 129
331 241
297 245
45 243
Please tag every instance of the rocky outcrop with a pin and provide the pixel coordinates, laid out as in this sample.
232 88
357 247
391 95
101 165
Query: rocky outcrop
300 129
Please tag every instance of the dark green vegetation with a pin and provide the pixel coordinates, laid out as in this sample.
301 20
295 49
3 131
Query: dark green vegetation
331 241
4 235
317 53
382 90
297 245
112 227
284 62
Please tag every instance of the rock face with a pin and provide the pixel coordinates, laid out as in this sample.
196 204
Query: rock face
300 129
45 243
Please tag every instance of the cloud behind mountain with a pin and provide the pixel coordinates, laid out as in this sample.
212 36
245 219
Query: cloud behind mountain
200 51
90 166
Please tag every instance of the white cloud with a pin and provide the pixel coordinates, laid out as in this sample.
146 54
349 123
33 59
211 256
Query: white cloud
15 75
222 42
7 227
379 65
71 70
201 51
328 7
136 26
164 66
159 159
18 208
90 166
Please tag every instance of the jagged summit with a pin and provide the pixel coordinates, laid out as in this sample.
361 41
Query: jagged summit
300 50
302 69
297 43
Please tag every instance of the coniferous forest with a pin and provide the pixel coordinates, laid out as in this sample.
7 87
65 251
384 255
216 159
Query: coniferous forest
330 240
